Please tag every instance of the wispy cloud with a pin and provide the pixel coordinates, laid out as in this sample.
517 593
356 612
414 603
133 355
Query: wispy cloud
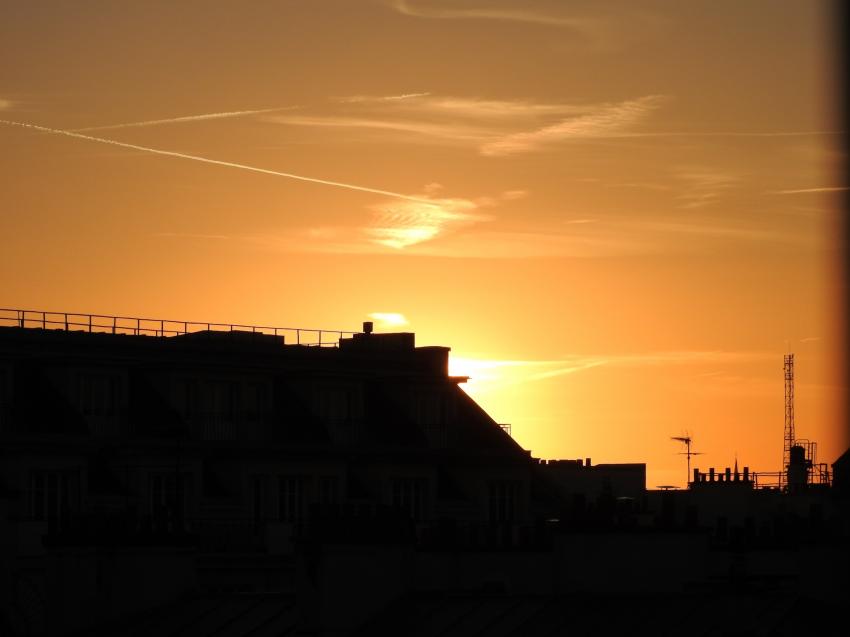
451 11
360 99
192 235
4 104
489 375
810 190
217 162
603 121
187 118
400 224
703 186
495 127
446 131
389 319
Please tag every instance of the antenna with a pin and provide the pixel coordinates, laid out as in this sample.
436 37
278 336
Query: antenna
686 439
789 419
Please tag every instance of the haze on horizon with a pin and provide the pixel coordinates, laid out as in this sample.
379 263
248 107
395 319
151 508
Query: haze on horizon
619 217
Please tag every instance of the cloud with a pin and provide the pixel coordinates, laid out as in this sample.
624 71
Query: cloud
704 186
511 195
495 127
400 224
810 190
389 319
453 132
445 11
207 160
489 375
4 104
187 118
359 99
192 235
603 121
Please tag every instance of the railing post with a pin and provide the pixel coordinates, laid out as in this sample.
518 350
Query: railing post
114 320
21 317
89 323
320 338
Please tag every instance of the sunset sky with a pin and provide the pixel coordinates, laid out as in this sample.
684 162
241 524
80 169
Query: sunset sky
618 215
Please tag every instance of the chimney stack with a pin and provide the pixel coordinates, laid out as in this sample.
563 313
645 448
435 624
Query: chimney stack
367 327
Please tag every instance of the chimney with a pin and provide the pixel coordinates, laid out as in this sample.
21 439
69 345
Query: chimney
746 474
696 475
367 327
711 474
728 474
587 462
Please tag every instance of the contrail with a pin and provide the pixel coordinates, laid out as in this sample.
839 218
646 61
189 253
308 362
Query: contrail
169 153
187 118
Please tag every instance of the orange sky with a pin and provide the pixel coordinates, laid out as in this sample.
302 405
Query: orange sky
619 217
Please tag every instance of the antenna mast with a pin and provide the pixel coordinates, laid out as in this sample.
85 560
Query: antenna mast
789 419
686 439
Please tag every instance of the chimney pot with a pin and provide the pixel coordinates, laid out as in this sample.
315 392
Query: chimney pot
368 326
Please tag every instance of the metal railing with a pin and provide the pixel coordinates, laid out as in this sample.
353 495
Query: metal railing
104 323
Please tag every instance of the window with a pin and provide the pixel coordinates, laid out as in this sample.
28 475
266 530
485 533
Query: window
53 496
5 401
328 490
292 498
258 499
432 411
163 499
97 399
212 407
409 495
340 406
504 500
254 405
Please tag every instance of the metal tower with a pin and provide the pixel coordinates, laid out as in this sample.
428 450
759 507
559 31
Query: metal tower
789 419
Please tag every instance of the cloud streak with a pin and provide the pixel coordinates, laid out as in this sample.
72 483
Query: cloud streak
453 12
489 375
389 319
217 162
496 127
810 190
606 121
401 224
187 118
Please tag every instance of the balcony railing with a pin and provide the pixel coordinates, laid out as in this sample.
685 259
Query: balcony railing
103 323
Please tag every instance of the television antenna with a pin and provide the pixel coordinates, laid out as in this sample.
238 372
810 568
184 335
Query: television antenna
687 440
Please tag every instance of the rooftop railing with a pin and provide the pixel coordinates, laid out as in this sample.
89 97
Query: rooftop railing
103 323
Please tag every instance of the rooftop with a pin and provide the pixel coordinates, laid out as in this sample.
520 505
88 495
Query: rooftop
137 326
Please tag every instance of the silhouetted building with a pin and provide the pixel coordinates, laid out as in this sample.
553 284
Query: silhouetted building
233 443
163 477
